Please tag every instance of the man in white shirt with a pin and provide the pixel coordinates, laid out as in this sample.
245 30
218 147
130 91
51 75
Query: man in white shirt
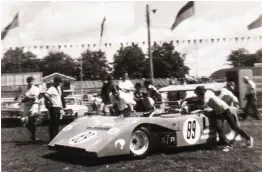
123 103
222 112
226 94
31 106
126 85
251 98
56 96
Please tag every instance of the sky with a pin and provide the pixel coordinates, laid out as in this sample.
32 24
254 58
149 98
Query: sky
55 23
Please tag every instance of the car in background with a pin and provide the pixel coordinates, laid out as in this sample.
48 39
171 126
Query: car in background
12 113
74 108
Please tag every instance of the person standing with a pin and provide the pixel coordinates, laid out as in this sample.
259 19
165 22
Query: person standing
105 91
56 96
152 91
222 112
31 106
251 98
126 86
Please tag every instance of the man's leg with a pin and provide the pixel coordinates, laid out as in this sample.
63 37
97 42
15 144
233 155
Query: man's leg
233 124
57 120
255 109
51 123
248 106
219 127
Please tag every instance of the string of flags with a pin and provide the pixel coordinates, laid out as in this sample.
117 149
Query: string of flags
143 43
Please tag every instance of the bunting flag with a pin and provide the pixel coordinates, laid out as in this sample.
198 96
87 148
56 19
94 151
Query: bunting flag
187 11
255 24
14 23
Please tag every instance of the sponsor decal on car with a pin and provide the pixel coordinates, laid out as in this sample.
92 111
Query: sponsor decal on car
120 142
168 139
191 131
82 137
113 130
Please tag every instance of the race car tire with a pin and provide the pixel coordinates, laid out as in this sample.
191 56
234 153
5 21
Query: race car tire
140 142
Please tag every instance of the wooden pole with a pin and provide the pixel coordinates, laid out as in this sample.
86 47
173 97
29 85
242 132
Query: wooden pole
149 44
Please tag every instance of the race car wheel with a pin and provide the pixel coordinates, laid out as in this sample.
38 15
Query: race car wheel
139 142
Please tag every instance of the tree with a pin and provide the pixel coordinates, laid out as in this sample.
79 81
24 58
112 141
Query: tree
131 60
94 65
15 61
168 62
58 62
242 58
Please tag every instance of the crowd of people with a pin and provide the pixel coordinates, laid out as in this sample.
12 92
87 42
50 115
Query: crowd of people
124 98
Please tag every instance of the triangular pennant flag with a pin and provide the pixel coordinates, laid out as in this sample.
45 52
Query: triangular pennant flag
47 47
14 23
71 46
224 39
94 45
143 42
83 45
218 39
260 37
200 40
212 40
110 44
177 41
188 41
184 13
35 47
195 41
255 24
105 44
41 47
65 46
121 44
236 38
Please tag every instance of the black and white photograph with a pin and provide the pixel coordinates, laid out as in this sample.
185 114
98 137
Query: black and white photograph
145 86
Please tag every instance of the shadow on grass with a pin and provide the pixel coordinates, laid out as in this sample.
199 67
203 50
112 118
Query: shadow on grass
25 143
92 161
85 160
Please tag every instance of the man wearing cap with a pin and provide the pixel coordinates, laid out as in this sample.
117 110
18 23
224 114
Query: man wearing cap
58 104
251 98
222 112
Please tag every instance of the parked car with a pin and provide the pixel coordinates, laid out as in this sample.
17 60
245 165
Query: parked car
74 108
12 113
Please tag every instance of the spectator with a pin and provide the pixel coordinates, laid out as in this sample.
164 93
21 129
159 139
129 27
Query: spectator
126 85
105 95
56 96
31 106
138 96
152 91
251 98
122 103
148 102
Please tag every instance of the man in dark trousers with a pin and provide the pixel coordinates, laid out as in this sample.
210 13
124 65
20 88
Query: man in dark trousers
57 105
251 98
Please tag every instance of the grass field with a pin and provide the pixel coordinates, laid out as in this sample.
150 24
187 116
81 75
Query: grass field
19 155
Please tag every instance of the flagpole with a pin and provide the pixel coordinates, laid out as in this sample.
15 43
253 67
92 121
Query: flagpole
149 44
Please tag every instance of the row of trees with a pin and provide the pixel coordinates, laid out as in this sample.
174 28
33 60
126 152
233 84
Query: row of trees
167 62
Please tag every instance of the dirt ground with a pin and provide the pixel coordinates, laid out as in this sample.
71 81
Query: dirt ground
19 154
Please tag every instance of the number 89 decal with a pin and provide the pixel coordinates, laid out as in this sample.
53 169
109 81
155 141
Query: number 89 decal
191 131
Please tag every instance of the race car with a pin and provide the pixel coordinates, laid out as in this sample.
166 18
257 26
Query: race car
101 136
